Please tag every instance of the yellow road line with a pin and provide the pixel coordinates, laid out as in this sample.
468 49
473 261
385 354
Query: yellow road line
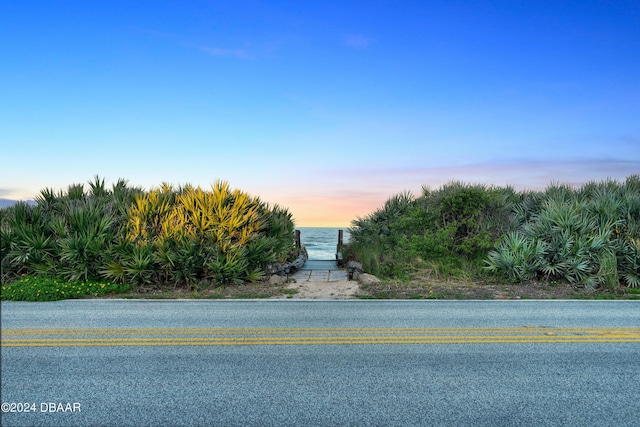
323 341
302 331
94 337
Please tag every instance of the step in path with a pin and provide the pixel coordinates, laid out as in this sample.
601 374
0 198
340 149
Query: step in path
320 271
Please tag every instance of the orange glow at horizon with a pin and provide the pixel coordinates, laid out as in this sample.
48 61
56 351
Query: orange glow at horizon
322 211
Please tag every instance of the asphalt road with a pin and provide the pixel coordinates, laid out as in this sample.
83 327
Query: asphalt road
320 363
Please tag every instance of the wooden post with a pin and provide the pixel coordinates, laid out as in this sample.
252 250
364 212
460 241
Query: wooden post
297 237
339 260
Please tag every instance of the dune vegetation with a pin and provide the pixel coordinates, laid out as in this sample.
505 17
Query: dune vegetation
588 237
96 241
183 236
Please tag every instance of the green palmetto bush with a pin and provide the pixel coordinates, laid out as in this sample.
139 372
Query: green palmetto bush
68 234
517 257
139 267
628 263
229 266
86 232
275 243
127 235
590 235
6 238
224 236
32 247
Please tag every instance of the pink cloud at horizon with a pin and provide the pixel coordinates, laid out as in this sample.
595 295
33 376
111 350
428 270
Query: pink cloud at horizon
364 190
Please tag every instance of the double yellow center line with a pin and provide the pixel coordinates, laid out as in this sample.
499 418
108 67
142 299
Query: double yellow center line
138 337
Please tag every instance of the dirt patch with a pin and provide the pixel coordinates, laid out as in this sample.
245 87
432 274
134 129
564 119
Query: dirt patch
460 289
427 284
290 290
321 290
247 290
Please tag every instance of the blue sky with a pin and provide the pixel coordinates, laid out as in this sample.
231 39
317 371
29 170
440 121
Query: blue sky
327 107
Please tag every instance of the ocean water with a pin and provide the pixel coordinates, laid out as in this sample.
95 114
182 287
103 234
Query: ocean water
321 242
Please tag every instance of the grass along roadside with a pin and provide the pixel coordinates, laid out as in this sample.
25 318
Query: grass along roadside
33 288
39 288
